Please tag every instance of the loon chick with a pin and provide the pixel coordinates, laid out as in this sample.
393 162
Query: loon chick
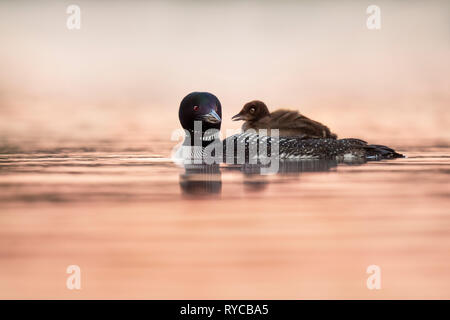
289 123
205 109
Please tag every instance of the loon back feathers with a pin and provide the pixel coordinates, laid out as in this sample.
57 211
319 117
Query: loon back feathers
296 148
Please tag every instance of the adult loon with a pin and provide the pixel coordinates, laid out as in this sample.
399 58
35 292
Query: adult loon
290 123
200 114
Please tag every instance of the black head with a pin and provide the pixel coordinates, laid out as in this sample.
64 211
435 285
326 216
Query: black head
252 111
200 106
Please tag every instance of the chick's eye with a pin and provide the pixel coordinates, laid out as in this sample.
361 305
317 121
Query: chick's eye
252 110
196 108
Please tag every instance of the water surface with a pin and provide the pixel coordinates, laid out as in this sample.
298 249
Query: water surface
140 226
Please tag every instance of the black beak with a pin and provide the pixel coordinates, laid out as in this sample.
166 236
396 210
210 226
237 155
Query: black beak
238 117
212 117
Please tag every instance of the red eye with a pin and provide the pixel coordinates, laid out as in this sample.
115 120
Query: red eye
196 108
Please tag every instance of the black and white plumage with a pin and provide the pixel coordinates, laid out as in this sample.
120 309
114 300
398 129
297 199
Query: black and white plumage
245 147
292 148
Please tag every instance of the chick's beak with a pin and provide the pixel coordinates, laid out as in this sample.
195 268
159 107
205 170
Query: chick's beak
212 117
237 117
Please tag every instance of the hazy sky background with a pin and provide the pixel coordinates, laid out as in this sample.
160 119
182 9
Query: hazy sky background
125 72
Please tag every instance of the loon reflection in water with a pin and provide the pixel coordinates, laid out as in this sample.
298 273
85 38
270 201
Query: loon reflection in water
203 179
